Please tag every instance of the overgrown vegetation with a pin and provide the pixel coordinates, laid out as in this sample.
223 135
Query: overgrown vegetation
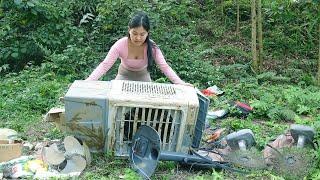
46 45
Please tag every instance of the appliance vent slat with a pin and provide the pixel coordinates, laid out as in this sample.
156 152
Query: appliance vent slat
161 121
165 133
145 88
172 132
155 119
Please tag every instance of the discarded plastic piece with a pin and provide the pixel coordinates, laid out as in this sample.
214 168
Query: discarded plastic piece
207 92
75 164
20 159
242 139
28 145
14 167
215 135
54 114
242 154
214 89
73 146
302 134
244 108
35 166
213 156
217 114
57 115
8 134
52 155
54 175
17 171
282 141
76 156
145 151
24 167
201 122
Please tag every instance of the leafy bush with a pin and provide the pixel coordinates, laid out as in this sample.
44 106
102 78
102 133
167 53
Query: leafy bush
294 26
75 62
32 29
281 114
283 102
271 77
303 101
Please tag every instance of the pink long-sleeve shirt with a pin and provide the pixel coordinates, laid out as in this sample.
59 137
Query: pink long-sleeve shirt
120 50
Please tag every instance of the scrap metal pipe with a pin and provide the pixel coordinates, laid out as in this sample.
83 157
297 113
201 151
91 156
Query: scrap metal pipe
176 156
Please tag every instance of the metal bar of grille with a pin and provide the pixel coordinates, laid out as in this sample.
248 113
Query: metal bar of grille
135 120
129 124
122 119
161 121
149 117
154 123
117 128
164 141
180 133
143 116
173 127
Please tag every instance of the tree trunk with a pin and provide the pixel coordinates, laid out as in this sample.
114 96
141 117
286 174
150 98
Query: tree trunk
254 36
222 12
238 19
318 76
260 42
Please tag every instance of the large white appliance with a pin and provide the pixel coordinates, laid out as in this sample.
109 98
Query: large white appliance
106 114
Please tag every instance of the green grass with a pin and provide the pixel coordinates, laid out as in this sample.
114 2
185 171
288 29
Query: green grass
27 96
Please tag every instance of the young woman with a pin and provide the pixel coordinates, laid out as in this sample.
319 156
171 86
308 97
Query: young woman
137 53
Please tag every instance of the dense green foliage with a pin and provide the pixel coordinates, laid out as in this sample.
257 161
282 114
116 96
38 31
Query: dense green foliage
46 45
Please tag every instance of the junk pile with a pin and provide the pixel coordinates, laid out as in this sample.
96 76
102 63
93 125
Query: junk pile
289 155
53 159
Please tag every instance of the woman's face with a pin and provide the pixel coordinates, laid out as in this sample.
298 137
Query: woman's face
138 35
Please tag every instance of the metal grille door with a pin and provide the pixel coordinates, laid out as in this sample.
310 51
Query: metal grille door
165 121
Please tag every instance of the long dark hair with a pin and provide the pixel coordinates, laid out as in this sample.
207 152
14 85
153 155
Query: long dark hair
142 19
